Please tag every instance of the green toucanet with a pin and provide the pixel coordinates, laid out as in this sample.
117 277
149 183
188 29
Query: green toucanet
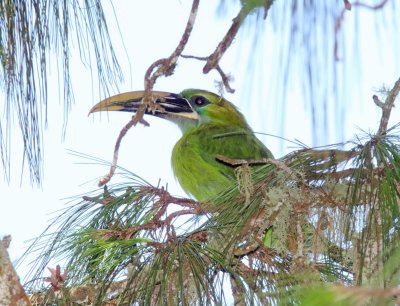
210 126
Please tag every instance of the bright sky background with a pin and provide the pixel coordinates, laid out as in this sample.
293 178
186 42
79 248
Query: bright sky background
150 34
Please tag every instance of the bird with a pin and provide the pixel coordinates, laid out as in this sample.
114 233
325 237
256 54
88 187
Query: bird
211 126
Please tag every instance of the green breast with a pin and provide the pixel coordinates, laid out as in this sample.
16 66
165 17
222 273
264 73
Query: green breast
194 163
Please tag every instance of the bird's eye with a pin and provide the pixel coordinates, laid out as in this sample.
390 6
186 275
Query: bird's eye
199 101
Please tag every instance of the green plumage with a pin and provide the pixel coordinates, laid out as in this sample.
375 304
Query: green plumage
220 130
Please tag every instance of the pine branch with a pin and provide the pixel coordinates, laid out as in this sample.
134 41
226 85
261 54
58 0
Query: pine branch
387 107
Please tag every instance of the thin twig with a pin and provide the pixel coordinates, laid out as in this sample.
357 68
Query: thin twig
105 179
200 58
154 224
164 67
240 162
166 197
167 65
225 78
224 44
212 61
159 208
214 58
370 6
340 18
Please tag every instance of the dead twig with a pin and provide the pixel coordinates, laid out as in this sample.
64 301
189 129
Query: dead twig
106 178
368 6
212 61
240 162
225 43
164 66
214 58
159 209
167 198
226 78
347 7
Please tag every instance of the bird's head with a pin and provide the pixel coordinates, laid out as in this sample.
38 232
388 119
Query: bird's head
192 107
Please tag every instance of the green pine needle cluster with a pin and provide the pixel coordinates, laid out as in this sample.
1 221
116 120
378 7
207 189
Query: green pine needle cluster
319 217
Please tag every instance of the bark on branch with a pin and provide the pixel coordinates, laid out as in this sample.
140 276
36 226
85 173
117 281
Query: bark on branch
11 291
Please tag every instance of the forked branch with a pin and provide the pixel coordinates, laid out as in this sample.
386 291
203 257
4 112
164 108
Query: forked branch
387 106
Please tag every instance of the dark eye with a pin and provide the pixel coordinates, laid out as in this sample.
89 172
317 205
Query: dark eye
199 101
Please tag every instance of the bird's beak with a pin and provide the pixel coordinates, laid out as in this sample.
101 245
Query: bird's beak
170 104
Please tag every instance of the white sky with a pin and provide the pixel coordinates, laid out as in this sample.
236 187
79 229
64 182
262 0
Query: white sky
148 35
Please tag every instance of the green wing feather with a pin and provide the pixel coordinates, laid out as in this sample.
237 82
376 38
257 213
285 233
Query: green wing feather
194 157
